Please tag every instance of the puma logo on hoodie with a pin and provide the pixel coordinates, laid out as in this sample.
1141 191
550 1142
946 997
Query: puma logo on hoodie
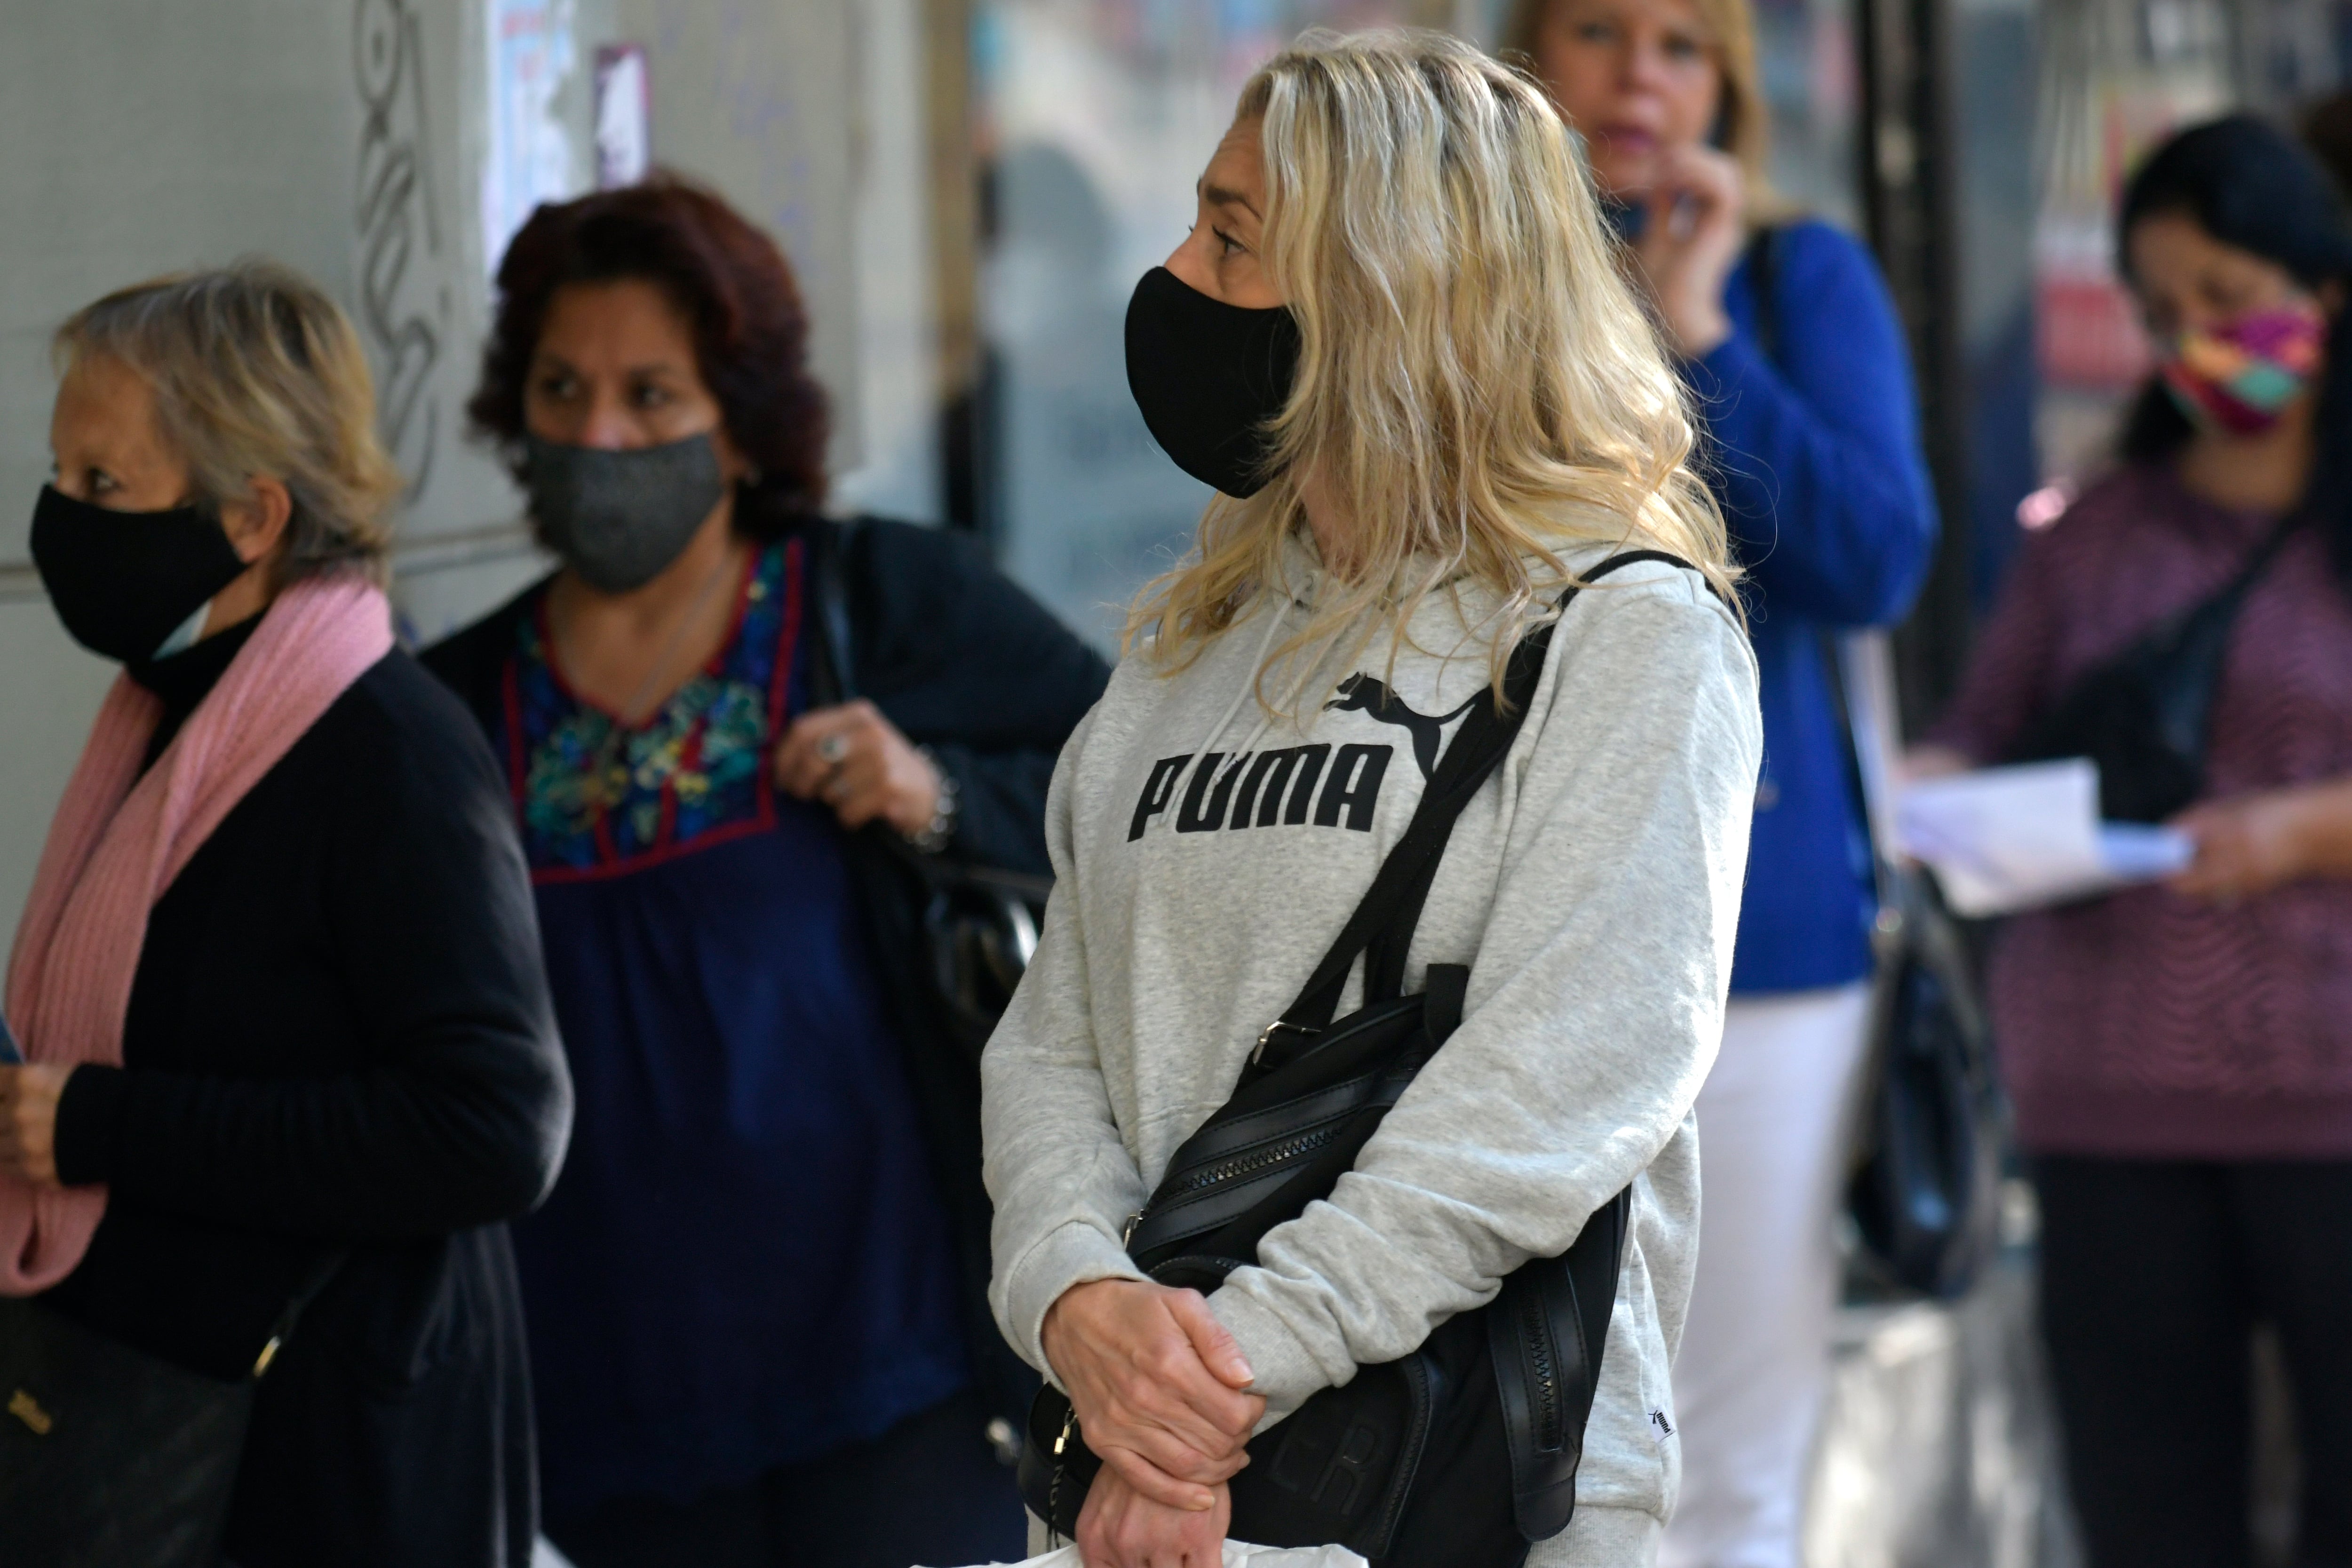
1277 787
1269 788
1363 693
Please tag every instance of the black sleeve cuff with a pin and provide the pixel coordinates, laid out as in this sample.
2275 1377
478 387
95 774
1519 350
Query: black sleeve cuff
89 1115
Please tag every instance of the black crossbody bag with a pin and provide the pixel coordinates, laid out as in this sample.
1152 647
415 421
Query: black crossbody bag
1465 1452
113 1457
2145 715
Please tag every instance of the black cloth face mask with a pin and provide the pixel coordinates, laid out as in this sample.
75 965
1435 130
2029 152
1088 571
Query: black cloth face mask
620 518
126 583
1208 377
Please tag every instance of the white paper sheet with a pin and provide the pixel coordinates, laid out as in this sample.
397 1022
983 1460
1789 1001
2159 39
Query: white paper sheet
1238 1554
2022 837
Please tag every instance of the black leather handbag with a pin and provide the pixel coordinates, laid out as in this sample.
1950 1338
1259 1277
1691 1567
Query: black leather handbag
978 924
1465 1452
2145 715
112 1458
109 1458
1924 1190
1925 1194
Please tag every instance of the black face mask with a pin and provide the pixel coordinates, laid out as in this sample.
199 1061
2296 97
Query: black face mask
125 582
620 518
1208 376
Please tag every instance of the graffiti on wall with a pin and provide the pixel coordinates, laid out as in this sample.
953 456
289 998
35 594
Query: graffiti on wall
403 298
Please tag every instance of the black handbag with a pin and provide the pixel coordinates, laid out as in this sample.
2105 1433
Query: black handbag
108 1456
2145 715
1463 1453
1924 1191
1925 1194
978 924
112 1457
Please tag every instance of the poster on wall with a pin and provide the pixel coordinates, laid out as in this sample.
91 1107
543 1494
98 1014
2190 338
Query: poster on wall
533 53
624 116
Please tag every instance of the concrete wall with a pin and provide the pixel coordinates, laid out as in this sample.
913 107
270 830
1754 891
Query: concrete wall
348 139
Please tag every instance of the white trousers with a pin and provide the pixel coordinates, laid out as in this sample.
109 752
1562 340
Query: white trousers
1773 1121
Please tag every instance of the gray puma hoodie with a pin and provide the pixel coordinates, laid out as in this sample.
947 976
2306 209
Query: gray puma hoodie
1207 853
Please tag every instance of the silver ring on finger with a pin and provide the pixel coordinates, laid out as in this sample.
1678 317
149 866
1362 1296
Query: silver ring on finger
832 750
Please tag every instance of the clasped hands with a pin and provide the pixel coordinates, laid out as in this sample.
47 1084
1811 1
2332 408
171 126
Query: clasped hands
1161 1392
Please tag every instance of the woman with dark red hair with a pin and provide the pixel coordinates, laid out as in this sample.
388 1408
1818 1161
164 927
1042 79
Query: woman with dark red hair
756 1294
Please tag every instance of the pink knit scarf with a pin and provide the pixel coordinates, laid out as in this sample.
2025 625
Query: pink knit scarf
118 839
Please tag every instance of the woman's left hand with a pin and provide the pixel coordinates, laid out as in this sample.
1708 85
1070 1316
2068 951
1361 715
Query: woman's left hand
1120 1528
29 1119
1690 242
853 760
2256 842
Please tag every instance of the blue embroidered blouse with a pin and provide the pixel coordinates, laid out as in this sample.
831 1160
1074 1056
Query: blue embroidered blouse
746 1262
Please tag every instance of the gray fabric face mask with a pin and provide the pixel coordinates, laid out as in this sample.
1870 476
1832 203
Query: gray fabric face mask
620 518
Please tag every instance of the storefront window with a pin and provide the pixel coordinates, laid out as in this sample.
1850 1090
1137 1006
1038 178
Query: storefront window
1094 118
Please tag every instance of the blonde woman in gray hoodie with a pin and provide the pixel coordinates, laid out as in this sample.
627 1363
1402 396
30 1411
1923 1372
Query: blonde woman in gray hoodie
1397 344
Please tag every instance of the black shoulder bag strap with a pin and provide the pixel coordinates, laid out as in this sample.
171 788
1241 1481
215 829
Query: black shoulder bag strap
1764 286
1382 925
830 542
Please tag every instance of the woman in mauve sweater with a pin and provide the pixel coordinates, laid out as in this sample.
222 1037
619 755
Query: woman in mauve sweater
2180 1056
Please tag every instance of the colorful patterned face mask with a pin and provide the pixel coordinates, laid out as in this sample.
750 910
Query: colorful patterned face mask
2239 377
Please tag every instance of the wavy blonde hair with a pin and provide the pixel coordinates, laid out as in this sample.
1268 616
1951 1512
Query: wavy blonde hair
1477 388
257 371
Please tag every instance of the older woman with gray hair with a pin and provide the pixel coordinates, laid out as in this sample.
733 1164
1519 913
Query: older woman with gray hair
287 1056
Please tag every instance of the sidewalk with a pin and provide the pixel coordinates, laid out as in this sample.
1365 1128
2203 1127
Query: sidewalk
1938 1448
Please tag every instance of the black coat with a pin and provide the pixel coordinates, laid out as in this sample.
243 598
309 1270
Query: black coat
340 1056
961 660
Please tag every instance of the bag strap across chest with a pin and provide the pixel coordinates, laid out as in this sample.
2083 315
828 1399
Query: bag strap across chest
1381 928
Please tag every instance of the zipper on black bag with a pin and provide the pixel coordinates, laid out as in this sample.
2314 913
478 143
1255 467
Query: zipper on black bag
1255 1161
1543 1367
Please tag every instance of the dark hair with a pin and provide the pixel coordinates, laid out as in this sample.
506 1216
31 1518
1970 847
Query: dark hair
2328 131
2251 185
750 331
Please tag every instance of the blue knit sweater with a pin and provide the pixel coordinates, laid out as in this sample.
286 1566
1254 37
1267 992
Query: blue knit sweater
1816 459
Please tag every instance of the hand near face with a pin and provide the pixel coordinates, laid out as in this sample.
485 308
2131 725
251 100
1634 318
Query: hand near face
1120 1528
1690 243
28 1120
855 761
